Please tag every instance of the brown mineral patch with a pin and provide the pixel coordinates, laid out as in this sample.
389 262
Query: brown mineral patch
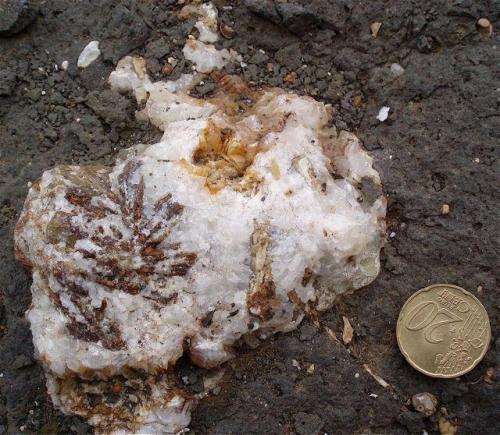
260 299
223 160
116 401
306 278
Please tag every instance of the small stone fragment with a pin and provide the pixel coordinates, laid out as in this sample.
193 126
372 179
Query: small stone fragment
397 70
381 381
167 69
425 403
445 209
347 333
89 54
290 77
484 26
226 31
357 101
446 427
16 15
375 27
489 378
64 65
383 113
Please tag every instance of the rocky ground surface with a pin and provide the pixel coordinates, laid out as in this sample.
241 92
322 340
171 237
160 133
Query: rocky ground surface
438 146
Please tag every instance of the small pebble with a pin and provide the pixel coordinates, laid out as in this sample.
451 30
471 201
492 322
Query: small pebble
226 31
383 113
374 28
64 65
485 26
374 395
167 69
290 77
490 374
445 209
397 70
89 54
356 375
425 403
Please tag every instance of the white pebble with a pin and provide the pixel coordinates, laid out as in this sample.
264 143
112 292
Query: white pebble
374 395
89 54
383 113
397 69
64 65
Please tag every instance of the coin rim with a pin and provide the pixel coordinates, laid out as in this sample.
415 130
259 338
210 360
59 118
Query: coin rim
442 376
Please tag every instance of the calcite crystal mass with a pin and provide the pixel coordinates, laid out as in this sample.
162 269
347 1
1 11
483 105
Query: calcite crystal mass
248 213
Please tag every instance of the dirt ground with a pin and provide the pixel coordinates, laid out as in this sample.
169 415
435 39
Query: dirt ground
438 146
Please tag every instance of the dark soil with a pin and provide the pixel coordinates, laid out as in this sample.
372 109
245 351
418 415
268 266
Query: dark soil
439 145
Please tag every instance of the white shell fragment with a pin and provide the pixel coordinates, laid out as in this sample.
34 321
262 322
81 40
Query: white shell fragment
383 113
89 54
247 214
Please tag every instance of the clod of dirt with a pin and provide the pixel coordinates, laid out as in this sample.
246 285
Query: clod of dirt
7 81
308 424
425 403
16 15
189 244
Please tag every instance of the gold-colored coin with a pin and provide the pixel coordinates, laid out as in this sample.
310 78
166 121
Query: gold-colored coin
443 331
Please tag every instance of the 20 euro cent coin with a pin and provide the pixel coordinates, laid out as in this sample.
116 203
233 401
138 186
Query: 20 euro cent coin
443 331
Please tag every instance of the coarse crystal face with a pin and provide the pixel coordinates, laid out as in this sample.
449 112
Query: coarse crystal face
247 214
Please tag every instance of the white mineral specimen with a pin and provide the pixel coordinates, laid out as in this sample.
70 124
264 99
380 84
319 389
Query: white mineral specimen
205 57
247 214
89 54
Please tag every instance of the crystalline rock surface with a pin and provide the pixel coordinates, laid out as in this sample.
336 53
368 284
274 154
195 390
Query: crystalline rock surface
247 214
